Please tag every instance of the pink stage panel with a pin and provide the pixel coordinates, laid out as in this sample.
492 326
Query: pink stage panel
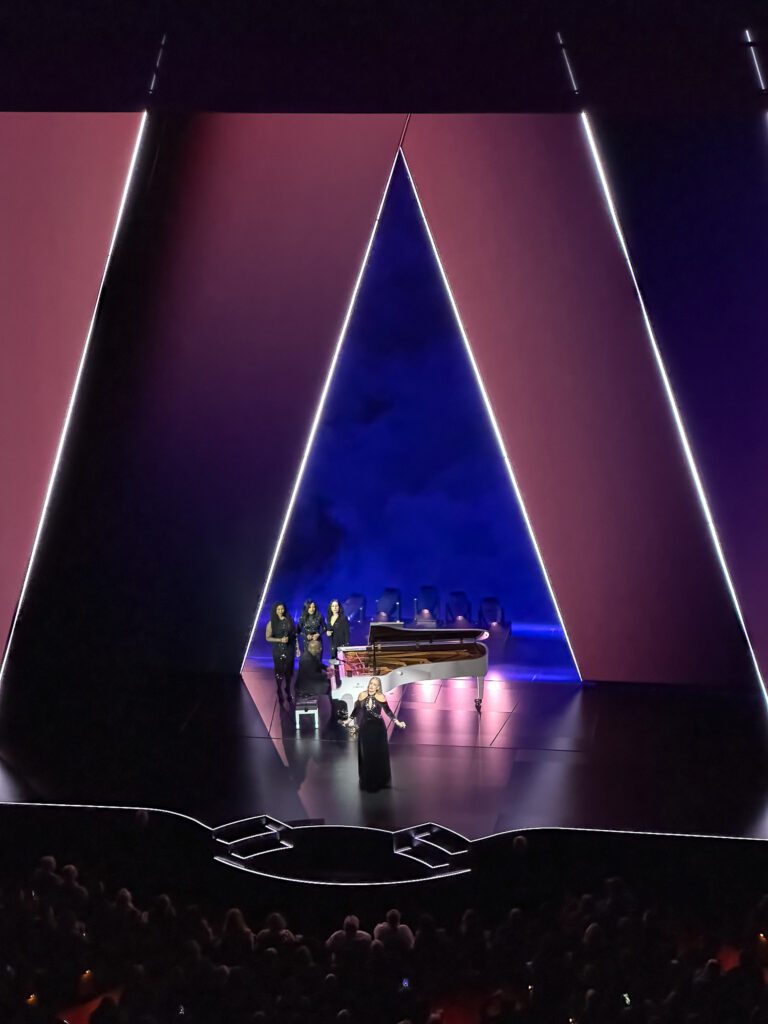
264 240
61 179
545 296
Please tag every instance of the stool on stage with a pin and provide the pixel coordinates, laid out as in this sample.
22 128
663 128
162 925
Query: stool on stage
306 704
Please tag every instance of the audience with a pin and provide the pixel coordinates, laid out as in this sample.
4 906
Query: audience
349 944
595 958
395 937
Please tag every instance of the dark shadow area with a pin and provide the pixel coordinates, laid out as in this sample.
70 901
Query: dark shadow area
552 922
448 56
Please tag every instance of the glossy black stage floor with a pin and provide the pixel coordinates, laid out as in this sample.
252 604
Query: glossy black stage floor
655 759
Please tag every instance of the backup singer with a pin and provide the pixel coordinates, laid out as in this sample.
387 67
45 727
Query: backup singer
311 624
281 637
372 744
336 628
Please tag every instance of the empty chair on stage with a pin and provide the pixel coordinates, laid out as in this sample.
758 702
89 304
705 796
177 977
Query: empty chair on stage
491 618
354 608
388 606
426 608
458 609
311 683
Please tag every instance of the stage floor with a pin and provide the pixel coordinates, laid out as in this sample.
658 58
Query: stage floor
653 759
539 754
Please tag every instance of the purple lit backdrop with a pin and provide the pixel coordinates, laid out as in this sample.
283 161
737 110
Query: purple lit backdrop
61 178
210 354
232 277
524 234
694 201
272 218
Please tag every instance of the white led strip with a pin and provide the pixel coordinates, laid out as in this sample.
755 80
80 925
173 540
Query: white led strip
753 50
492 417
568 67
74 395
670 396
533 829
317 418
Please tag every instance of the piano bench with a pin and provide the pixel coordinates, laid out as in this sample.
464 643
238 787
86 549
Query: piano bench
307 706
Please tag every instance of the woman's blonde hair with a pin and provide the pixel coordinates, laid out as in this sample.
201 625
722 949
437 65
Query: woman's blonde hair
364 693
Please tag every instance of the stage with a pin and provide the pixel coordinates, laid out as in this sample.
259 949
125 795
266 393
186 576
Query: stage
541 754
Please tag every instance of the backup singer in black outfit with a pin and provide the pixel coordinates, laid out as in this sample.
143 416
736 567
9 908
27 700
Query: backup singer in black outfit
281 637
311 623
372 745
336 627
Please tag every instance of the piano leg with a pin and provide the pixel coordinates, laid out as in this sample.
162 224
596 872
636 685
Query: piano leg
479 697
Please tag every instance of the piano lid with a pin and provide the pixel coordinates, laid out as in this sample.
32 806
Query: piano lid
389 632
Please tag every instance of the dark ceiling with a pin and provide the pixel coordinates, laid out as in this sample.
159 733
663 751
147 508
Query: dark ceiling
380 54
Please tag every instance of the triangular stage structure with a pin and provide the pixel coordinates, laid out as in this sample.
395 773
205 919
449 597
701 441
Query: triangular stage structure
405 480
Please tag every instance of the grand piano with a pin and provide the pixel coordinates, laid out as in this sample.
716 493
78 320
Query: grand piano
399 655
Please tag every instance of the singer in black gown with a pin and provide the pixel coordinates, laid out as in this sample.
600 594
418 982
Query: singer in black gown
372 744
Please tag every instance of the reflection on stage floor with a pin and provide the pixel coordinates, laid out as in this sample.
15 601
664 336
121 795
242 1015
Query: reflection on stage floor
541 753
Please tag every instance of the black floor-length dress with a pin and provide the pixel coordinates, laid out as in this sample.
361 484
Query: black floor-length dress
372 744
283 655
339 633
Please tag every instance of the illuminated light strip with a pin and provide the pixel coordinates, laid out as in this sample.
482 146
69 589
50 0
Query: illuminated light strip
253 817
753 50
74 395
156 72
412 881
318 416
372 828
106 807
492 418
620 832
346 885
569 69
671 397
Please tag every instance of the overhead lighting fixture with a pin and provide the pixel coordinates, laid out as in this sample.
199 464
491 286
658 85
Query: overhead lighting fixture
491 416
688 452
74 395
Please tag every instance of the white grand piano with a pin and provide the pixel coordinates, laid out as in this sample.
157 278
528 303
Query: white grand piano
399 655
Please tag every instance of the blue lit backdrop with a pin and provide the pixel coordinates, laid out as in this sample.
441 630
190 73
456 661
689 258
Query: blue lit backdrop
405 485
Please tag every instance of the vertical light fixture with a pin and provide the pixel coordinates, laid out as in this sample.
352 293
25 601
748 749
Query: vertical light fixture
491 416
755 60
318 415
158 62
682 435
567 63
73 396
